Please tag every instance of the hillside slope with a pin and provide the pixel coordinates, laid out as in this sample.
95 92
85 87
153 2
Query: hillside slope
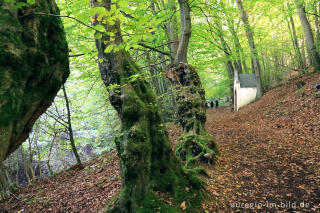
270 149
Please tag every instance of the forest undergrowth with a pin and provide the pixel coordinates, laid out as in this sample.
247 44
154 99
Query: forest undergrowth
269 161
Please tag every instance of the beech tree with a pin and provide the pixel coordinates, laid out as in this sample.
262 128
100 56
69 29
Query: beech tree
313 54
254 52
147 161
196 144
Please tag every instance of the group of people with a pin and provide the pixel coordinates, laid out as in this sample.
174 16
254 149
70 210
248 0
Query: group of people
211 104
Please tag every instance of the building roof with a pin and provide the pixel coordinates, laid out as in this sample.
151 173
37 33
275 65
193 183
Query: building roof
247 80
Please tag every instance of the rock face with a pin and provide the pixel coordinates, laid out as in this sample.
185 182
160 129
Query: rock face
33 65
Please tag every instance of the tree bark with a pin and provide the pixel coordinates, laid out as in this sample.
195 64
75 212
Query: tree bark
173 29
239 51
296 45
185 32
313 54
254 53
34 64
227 52
147 161
316 4
72 142
196 144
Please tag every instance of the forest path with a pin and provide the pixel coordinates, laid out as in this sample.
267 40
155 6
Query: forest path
269 154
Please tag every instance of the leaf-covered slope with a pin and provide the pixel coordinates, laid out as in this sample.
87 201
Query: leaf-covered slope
269 151
87 190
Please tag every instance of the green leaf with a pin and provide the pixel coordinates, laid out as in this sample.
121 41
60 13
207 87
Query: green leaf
31 2
109 49
100 28
98 36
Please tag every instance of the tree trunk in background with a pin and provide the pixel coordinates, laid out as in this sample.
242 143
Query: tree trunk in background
313 54
230 72
147 161
185 32
227 51
239 50
4 183
70 131
34 63
303 53
296 45
196 144
294 38
159 83
172 27
316 22
254 53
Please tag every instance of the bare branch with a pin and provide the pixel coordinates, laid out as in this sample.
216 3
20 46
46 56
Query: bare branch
154 49
61 16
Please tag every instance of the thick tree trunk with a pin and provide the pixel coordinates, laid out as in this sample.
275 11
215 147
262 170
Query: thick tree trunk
196 144
70 130
147 161
254 53
34 64
313 54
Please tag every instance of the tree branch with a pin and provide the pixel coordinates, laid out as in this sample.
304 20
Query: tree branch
154 49
77 55
151 65
61 16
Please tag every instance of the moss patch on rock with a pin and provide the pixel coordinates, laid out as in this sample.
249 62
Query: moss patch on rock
34 64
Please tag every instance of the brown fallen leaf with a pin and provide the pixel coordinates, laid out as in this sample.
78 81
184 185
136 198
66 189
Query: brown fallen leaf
183 205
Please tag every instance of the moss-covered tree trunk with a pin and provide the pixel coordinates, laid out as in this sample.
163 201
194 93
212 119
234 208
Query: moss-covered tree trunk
148 164
33 65
196 144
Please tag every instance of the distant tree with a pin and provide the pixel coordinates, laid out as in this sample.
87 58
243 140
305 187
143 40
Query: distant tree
292 29
254 52
313 54
69 126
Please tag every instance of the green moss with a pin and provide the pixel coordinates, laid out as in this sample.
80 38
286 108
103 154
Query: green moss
34 61
192 148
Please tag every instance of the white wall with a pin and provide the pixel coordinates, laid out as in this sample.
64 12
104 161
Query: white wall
244 95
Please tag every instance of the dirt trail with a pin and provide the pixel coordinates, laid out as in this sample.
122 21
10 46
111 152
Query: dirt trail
270 153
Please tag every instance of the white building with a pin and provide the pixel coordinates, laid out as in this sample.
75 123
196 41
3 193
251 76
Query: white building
245 89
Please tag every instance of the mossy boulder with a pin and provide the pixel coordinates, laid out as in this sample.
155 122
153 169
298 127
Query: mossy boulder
33 65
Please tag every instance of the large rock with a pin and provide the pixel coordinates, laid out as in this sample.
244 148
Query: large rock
33 65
